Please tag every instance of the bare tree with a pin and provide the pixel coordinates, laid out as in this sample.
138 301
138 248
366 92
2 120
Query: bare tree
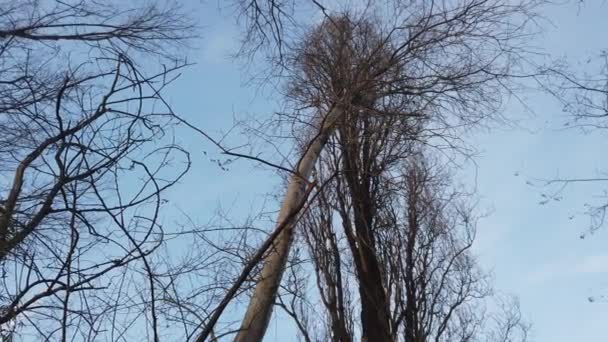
436 287
328 257
87 151
429 285
445 63
584 98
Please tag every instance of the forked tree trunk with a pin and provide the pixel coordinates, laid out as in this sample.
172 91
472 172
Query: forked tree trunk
259 311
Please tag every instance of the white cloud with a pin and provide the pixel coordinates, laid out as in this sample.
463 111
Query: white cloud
571 267
592 265
490 238
219 44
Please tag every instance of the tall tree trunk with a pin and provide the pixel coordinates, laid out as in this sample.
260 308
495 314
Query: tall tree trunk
375 317
259 311
412 332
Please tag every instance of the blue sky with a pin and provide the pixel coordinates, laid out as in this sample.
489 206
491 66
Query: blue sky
533 250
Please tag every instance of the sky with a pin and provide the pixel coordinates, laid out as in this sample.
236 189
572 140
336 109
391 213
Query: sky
534 251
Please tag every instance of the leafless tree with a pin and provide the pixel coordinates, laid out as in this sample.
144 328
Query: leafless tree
429 286
583 97
87 151
440 65
432 277
328 257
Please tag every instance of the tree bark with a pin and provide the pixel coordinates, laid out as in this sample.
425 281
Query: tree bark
375 308
259 311
375 318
